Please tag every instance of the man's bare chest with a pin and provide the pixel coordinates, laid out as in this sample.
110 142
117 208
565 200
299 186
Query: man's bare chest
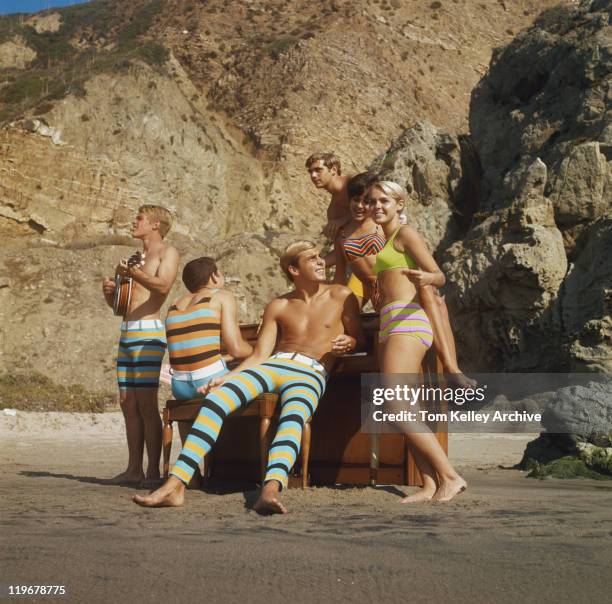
314 319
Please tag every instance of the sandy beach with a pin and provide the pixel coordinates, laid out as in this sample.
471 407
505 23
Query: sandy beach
507 539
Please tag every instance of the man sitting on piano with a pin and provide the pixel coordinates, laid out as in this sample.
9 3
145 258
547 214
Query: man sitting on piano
314 323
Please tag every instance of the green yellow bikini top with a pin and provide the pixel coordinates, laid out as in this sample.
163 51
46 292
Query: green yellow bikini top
389 258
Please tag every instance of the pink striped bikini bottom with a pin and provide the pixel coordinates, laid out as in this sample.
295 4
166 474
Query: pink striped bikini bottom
405 318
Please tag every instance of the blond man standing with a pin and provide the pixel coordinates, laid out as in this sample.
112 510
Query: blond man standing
142 343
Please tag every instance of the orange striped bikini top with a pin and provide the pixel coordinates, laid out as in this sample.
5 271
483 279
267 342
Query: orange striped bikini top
360 247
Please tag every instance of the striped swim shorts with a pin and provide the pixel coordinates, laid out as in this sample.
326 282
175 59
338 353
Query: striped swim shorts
405 318
142 346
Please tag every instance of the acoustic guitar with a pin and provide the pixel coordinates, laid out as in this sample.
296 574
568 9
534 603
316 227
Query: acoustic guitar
123 286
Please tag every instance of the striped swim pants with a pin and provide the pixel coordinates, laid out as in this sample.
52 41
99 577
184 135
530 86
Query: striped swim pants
300 387
141 349
405 318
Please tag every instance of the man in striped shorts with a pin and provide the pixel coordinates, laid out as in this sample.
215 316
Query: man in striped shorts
314 323
142 343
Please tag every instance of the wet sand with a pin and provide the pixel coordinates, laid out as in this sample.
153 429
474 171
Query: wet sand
507 539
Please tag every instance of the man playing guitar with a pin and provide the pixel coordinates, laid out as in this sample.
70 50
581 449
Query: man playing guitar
143 342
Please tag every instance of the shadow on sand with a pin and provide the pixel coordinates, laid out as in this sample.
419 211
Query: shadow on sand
85 479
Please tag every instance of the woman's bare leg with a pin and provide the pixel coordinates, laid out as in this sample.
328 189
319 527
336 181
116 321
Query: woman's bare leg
404 354
436 310
429 486
447 326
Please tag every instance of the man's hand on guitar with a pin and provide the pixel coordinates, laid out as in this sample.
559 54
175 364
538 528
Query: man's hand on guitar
125 264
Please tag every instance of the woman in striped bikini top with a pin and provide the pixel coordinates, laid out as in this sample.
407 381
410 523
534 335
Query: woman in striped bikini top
357 244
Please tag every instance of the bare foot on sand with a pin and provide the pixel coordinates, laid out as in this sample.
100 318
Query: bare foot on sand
170 495
449 489
460 380
128 477
421 496
268 501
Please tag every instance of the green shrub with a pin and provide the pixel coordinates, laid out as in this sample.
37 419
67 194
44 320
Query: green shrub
9 26
50 47
25 87
33 391
564 467
61 69
141 22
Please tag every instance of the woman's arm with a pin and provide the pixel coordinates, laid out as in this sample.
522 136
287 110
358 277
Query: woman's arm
414 245
363 271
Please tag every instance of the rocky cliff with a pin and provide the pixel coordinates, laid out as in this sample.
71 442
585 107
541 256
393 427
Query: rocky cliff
210 109
532 279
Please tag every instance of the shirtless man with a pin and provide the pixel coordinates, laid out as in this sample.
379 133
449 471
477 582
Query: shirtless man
315 323
143 341
325 173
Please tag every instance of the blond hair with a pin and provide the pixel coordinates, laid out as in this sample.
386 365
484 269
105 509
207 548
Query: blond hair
392 189
290 256
163 216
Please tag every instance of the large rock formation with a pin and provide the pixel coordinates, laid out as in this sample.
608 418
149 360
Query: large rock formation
504 281
531 283
546 96
440 175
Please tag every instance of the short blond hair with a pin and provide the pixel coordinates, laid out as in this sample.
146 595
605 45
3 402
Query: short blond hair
163 216
290 256
392 189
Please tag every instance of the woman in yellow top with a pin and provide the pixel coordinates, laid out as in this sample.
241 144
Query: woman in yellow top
357 245
405 333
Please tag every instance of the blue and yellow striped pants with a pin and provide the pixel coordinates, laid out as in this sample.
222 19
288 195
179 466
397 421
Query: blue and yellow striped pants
142 346
300 388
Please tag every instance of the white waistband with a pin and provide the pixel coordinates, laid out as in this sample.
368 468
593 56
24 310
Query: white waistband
302 358
198 374
142 324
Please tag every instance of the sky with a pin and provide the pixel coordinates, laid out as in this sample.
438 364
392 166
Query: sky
32 6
